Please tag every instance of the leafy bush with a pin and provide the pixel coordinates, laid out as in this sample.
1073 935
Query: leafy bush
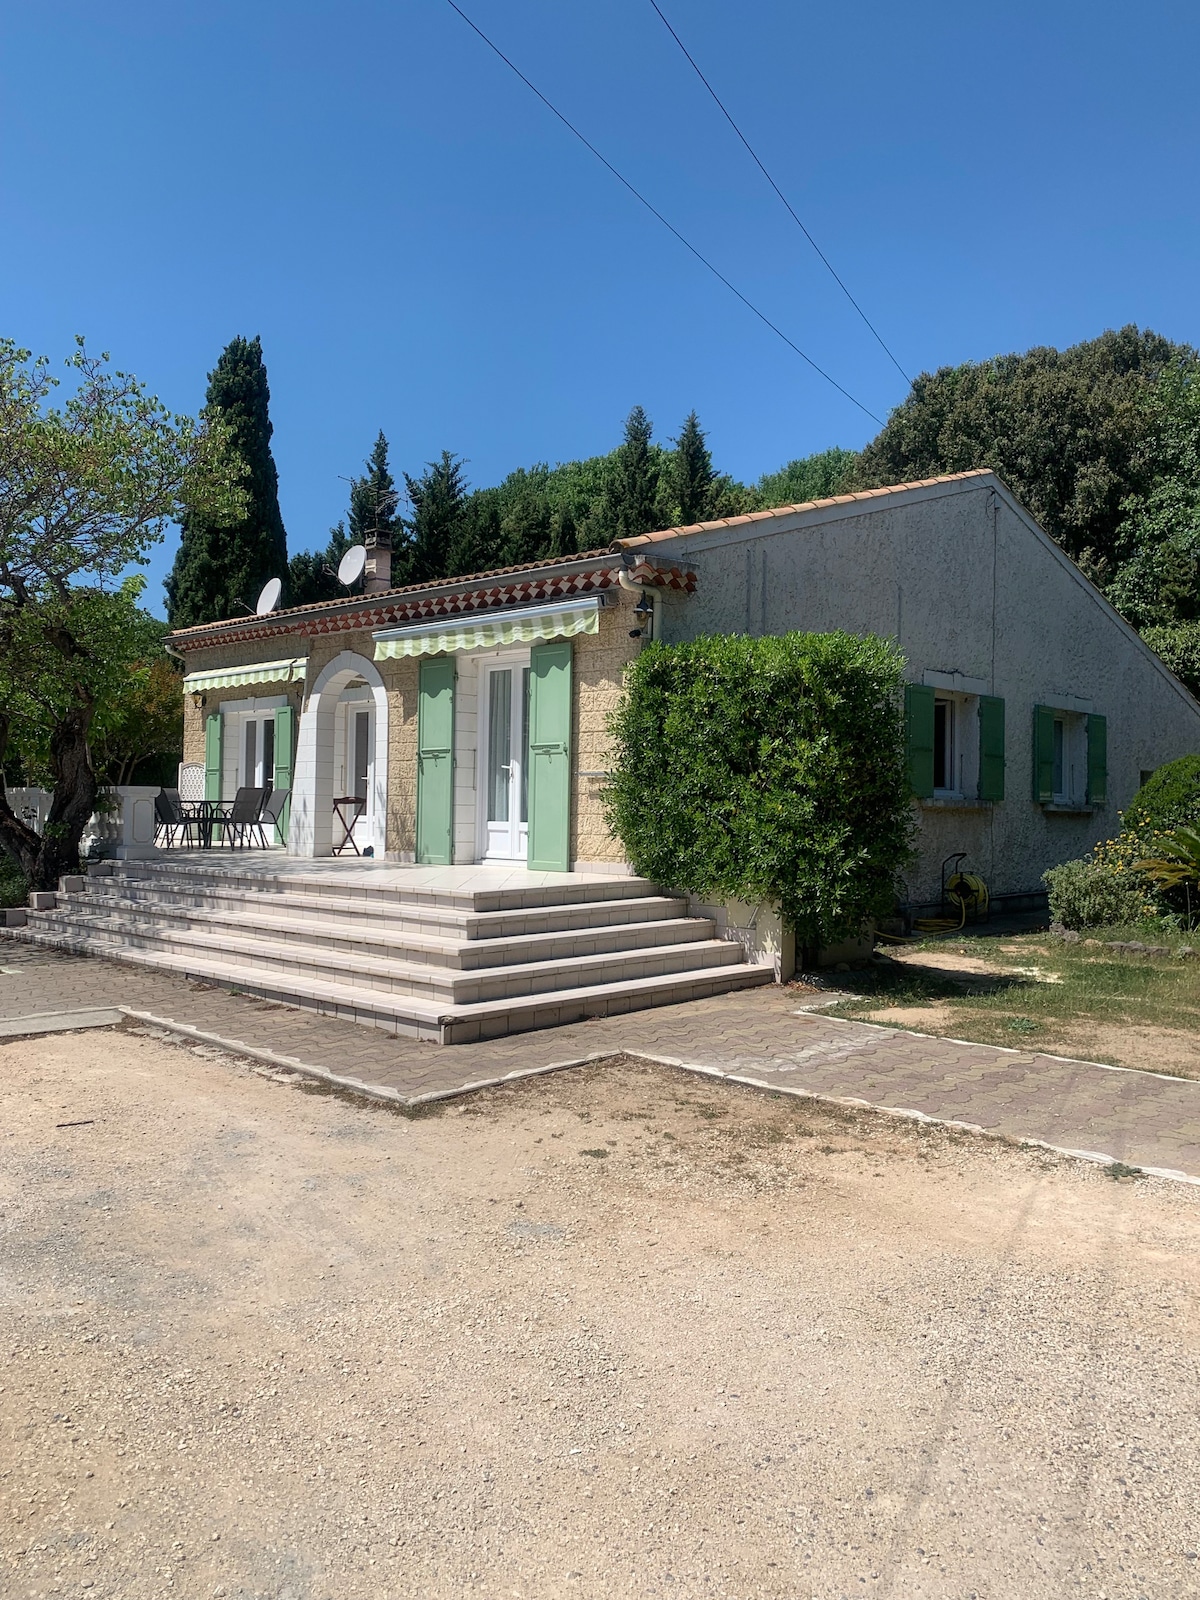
1092 894
14 885
767 770
1170 799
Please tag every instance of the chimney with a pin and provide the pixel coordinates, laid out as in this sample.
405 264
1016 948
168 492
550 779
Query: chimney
379 564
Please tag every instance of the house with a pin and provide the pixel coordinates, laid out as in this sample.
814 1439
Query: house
460 727
469 715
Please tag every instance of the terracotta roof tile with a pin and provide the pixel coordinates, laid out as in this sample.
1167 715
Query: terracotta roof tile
803 505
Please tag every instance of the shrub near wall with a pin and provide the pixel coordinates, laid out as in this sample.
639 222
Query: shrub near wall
767 770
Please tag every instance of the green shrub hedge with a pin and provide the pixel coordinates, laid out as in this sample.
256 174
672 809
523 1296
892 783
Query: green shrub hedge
1170 799
767 770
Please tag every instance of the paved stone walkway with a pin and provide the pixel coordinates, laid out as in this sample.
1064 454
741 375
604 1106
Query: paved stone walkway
755 1036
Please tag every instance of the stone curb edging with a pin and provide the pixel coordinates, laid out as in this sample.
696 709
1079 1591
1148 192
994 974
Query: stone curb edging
62 1022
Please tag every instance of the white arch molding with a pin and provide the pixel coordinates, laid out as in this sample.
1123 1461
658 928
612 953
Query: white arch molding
310 832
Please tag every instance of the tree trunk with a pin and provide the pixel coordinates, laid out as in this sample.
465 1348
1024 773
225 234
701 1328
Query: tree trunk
44 860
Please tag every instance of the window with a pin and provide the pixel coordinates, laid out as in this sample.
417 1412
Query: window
1070 758
943 745
955 745
1062 771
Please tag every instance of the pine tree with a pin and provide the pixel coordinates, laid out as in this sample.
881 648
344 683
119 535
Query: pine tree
219 565
438 497
312 574
632 481
374 516
692 472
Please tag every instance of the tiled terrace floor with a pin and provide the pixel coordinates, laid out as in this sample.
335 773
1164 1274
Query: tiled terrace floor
753 1035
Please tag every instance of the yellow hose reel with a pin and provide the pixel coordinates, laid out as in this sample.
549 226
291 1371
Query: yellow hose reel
968 892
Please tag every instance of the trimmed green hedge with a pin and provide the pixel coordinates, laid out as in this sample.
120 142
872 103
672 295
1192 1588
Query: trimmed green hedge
767 770
1170 799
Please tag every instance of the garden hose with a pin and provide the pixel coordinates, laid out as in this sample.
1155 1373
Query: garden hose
969 893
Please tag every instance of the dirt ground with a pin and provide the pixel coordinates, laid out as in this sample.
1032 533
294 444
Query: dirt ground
613 1332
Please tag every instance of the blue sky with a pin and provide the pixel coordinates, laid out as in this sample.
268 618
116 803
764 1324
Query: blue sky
424 249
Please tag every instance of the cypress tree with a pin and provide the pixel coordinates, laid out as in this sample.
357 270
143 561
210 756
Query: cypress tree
692 471
218 565
438 497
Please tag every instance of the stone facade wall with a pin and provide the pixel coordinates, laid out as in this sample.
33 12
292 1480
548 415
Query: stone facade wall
599 665
213 657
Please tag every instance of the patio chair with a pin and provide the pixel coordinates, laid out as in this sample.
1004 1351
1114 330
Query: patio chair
170 819
242 816
270 814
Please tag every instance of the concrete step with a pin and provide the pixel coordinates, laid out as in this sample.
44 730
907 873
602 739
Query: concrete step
381 940
559 889
284 961
412 1016
445 922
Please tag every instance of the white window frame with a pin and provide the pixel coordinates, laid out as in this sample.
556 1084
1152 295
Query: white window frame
1070 788
961 757
234 716
514 660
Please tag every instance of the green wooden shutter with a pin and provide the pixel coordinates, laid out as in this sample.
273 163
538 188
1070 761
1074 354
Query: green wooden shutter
1097 761
991 747
285 756
212 756
435 762
1043 754
550 756
918 716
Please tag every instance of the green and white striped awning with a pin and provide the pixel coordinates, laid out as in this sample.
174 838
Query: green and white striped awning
522 625
234 677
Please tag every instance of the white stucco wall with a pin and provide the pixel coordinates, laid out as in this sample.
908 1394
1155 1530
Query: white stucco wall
967 583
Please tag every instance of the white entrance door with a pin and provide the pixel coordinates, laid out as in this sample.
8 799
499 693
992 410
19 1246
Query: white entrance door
504 743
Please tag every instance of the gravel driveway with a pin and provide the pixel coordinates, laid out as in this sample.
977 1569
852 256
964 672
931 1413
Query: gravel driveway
614 1332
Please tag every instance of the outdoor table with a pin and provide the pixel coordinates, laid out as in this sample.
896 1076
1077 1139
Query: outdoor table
347 809
206 814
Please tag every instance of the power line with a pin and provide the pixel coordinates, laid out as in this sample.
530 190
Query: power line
704 261
758 163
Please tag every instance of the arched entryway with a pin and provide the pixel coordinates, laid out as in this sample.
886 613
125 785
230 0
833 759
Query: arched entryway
330 743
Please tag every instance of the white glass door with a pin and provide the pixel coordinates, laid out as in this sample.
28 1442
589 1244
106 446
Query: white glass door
258 754
505 702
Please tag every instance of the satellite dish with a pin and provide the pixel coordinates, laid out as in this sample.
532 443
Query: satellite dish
351 565
269 598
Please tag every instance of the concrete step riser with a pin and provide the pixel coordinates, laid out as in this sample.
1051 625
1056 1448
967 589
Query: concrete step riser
106 912
438 923
549 1011
437 984
344 889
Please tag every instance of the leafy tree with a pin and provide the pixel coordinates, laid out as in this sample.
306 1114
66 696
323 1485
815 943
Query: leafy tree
1178 645
1157 581
85 489
220 564
1069 431
137 736
814 477
438 497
